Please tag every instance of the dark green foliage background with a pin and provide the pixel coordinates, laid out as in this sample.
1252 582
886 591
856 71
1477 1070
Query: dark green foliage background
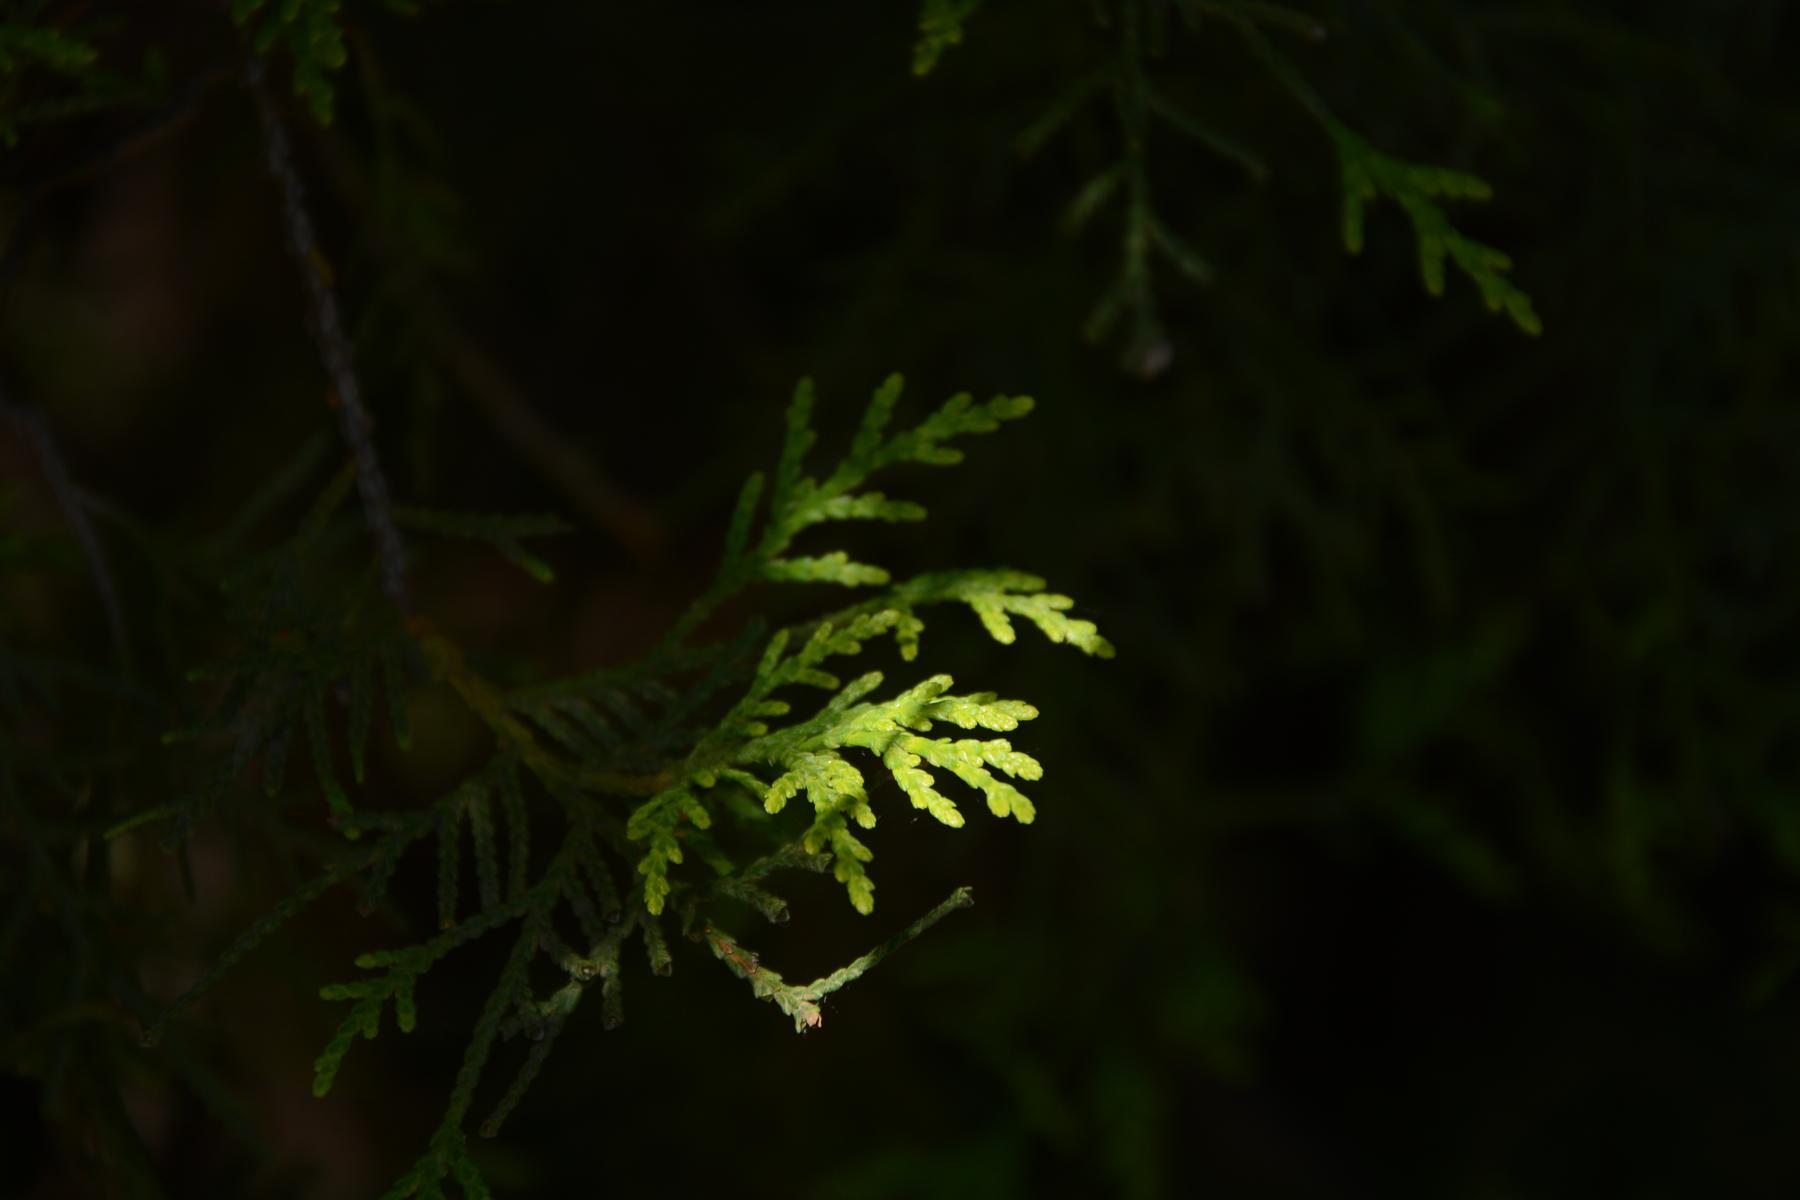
1434 832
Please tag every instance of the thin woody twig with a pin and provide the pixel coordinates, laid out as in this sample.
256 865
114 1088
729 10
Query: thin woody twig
334 347
801 1001
513 417
36 431
493 390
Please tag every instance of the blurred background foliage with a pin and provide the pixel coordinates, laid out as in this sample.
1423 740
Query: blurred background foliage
1435 831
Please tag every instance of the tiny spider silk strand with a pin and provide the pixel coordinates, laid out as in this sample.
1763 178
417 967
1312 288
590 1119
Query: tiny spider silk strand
334 346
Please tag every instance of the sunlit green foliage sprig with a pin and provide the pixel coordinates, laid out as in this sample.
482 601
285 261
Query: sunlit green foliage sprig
702 740
744 751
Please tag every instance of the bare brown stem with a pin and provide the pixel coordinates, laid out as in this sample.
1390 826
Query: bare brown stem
334 347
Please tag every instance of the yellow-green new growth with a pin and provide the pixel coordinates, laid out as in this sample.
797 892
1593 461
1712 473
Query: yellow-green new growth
798 501
811 761
719 782
810 756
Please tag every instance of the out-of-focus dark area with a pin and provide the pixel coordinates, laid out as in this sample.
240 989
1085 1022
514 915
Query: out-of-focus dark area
1434 833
